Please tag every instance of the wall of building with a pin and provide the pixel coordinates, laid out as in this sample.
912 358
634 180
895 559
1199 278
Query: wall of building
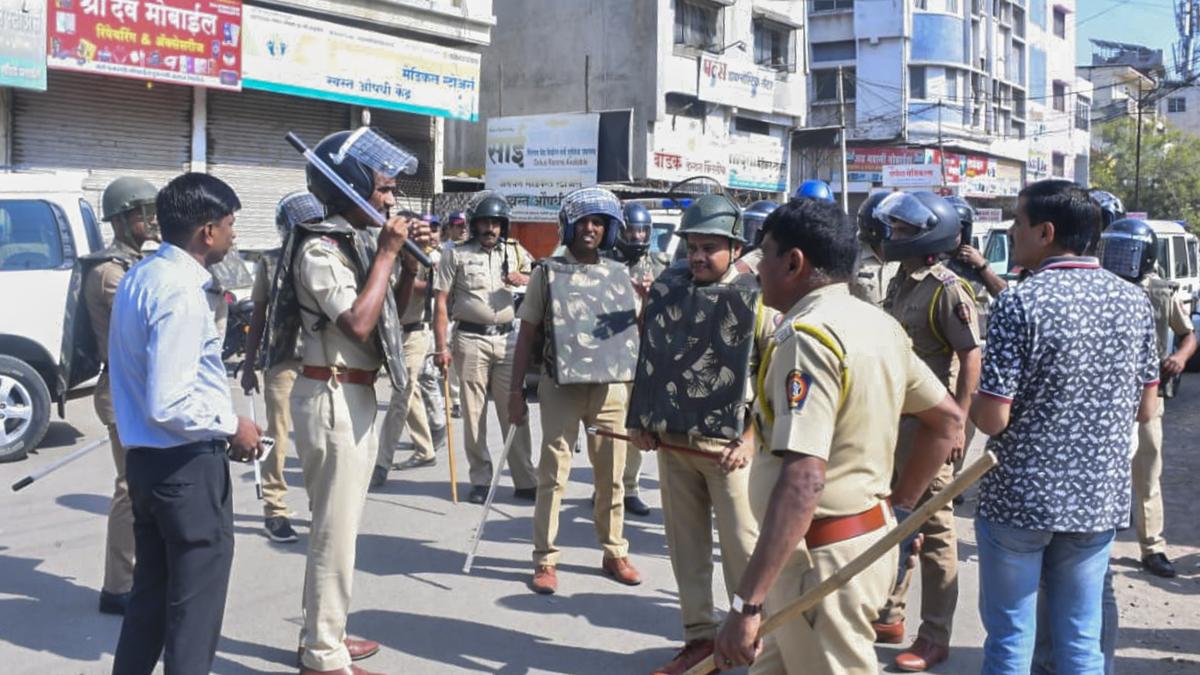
1185 102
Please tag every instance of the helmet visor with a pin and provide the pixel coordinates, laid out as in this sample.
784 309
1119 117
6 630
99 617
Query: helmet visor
900 209
1122 252
375 150
297 208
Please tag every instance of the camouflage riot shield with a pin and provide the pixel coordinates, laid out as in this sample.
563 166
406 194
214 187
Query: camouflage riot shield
693 371
592 315
388 334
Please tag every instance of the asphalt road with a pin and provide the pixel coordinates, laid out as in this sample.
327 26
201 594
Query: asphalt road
411 595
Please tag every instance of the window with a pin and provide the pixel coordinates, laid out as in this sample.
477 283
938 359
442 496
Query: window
30 237
684 105
751 126
997 251
1179 253
696 25
825 84
1176 104
951 85
1058 164
1060 97
921 4
95 239
1192 246
916 82
773 45
833 51
1083 114
1060 23
952 6
829 5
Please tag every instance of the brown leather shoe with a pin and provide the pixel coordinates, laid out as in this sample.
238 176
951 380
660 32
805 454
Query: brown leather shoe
621 570
889 633
545 580
359 650
922 655
692 653
348 670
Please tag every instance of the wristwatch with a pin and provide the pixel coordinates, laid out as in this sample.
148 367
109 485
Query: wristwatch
744 608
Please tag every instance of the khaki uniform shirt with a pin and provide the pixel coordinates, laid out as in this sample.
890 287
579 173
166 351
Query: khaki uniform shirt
802 389
99 289
418 308
326 282
264 275
938 326
474 280
1169 314
874 276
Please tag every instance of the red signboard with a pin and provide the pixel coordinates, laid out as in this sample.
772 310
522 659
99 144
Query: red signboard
182 41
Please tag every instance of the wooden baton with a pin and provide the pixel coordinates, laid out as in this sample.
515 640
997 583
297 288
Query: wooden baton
814 595
597 431
450 437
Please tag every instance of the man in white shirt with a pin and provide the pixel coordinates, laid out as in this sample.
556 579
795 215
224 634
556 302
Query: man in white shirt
175 415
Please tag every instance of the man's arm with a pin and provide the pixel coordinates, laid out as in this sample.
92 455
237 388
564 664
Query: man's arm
406 286
969 363
518 410
935 436
441 320
990 413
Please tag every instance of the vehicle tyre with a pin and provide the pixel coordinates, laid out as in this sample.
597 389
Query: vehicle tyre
24 409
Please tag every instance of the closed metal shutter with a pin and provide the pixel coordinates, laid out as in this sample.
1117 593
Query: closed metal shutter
246 149
416 134
108 126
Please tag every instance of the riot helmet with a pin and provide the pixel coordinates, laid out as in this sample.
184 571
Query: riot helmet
1111 208
633 239
966 216
713 214
590 201
1128 248
753 217
126 194
489 205
357 175
814 189
871 231
934 219
297 208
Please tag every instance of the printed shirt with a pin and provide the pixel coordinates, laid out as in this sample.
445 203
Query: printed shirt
1071 348
169 384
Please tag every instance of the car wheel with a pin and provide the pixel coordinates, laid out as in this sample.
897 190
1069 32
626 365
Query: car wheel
24 409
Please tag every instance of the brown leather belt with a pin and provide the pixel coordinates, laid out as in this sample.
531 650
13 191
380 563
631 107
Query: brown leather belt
826 531
484 328
343 375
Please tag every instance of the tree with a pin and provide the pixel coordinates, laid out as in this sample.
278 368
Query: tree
1170 179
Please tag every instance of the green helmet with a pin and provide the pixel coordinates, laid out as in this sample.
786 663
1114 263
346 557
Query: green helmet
125 194
491 205
713 214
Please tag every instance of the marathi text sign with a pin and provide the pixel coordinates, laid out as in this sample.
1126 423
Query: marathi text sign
758 163
296 55
536 160
737 84
912 175
195 42
23 45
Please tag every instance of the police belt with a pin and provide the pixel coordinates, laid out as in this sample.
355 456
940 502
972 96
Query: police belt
826 531
343 375
414 326
484 328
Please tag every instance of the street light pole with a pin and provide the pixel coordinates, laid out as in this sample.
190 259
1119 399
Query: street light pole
1137 161
842 135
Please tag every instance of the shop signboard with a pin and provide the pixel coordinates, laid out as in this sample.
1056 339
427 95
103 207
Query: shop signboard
23 44
536 160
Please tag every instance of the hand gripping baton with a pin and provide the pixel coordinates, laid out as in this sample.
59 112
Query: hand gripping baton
358 199
28 480
487 505
268 444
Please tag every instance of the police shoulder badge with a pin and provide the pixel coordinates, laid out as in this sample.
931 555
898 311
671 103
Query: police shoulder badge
963 311
798 384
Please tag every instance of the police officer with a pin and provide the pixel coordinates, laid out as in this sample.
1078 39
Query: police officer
477 278
694 488
937 310
752 220
838 375
128 205
586 380
814 189
874 273
455 234
1128 249
344 343
295 208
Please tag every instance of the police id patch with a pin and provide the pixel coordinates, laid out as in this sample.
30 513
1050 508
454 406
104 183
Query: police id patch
963 311
798 384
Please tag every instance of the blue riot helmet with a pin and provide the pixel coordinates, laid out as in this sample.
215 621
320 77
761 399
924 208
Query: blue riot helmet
297 208
633 239
814 189
752 220
966 216
1128 248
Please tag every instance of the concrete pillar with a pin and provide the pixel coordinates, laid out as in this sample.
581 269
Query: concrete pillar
199 129
6 126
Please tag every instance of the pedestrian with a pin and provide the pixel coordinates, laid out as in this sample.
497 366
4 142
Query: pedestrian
281 369
874 273
128 205
1128 248
710 412
405 410
1070 347
586 307
474 287
937 310
346 294
175 415
837 375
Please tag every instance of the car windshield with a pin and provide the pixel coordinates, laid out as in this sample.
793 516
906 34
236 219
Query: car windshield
29 236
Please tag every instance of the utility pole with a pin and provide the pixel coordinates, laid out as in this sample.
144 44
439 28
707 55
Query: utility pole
941 145
1137 161
841 93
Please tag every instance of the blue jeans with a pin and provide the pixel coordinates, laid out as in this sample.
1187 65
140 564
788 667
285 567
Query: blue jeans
1012 564
1043 653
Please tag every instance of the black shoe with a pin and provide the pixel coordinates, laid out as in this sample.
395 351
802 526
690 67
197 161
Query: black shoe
635 505
114 603
527 494
279 529
1158 565
415 462
478 494
378 477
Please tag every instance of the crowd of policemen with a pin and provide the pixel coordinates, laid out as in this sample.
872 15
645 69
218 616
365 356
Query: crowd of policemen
742 350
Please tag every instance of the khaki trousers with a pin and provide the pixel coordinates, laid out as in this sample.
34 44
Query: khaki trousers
1147 491
938 559
405 407
633 470
692 489
836 636
484 366
277 390
336 442
563 408
118 549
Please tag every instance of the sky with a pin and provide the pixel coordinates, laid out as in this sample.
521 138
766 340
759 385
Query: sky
1145 22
